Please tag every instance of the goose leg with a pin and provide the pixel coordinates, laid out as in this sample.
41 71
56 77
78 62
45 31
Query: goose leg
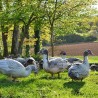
58 75
73 80
11 78
14 79
81 79
52 75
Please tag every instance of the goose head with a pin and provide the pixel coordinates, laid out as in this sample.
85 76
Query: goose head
87 52
63 54
44 52
29 61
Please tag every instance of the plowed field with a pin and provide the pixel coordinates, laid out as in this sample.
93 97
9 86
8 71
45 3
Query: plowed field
76 49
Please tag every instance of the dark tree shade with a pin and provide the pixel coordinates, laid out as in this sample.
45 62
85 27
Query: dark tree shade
14 49
37 43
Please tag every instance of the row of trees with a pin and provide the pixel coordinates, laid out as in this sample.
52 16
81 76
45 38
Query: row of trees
31 21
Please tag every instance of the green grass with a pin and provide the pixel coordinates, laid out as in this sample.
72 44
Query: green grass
42 86
93 59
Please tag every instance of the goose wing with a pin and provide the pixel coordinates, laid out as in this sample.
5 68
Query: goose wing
21 60
72 60
13 64
59 62
74 71
77 71
10 64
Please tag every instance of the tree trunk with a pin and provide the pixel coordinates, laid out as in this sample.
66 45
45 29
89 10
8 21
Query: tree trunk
37 43
24 34
27 37
15 44
4 39
21 39
52 41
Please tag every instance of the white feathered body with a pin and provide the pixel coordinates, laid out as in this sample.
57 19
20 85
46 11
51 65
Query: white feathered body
13 68
54 65
79 70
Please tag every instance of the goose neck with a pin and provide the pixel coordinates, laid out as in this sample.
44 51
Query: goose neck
45 61
28 70
45 57
85 59
63 57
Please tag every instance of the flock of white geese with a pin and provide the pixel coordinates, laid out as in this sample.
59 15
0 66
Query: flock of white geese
18 68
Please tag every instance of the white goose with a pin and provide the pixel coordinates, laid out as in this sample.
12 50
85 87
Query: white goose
80 71
53 66
26 61
15 69
70 60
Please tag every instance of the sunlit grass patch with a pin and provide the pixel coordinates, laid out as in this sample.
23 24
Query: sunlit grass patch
42 86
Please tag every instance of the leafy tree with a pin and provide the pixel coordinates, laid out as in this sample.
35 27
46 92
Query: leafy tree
4 6
40 8
23 14
34 14
66 14
60 17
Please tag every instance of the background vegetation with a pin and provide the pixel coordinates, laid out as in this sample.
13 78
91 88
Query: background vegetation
34 23
28 25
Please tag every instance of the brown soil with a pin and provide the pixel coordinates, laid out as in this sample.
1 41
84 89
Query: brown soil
75 49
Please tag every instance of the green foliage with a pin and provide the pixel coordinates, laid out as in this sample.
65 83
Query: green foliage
42 86
74 38
37 57
90 38
71 38
62 15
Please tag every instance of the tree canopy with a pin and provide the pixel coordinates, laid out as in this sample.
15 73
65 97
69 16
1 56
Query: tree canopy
32 20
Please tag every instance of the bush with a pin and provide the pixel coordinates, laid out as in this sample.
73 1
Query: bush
90 38
72 38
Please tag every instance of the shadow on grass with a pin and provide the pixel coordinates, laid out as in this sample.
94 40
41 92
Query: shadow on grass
50 78
75 86
6 83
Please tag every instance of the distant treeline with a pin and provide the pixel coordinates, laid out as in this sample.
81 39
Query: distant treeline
71 38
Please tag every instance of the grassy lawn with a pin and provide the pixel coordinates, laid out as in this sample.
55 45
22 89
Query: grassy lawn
93 59
42 86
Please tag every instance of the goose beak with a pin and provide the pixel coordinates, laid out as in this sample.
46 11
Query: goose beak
92 53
